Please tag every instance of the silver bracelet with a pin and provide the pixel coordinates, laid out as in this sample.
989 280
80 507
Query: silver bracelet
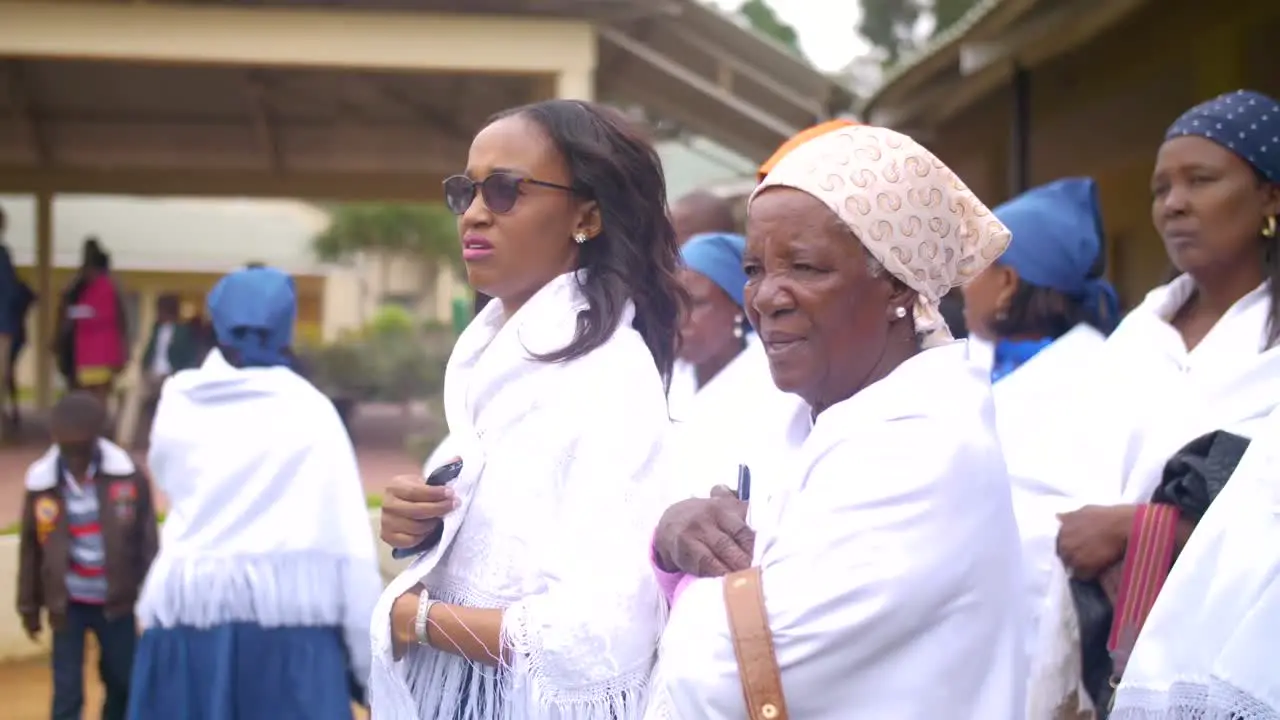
420 622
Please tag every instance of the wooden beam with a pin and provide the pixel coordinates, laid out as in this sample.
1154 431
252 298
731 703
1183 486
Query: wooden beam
192 33
406 187
24 112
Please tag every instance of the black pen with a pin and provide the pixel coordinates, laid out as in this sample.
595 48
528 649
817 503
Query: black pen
744 483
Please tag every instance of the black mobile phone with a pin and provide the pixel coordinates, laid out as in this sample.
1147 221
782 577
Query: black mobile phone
442 475
445 474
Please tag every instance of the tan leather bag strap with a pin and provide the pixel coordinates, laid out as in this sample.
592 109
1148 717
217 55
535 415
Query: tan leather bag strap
753 646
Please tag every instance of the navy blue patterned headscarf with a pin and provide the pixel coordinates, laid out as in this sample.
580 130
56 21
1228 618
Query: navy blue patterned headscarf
1245 122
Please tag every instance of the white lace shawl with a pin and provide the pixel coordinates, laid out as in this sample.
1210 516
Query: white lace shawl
1208 651
559 497
267 519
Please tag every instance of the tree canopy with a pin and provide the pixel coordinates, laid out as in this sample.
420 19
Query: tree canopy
891 25
424 231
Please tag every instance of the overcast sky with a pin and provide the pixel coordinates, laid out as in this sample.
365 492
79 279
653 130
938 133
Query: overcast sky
828 36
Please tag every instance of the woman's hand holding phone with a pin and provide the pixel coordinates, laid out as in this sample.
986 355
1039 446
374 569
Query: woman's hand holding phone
411 509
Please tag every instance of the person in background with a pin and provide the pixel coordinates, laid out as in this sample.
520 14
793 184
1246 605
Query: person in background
887 558
1199 356
258 604
88 539
729 362
171 348
699 212
1042 312
22 304
8 316
100 336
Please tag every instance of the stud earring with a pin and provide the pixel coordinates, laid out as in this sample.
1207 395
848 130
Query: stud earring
738 320
900 312
579 237
1269 230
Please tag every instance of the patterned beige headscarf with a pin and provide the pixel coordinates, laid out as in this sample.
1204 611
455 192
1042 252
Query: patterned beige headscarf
909 210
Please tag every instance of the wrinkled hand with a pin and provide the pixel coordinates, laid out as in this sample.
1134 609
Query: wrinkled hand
705 537
411 510
1093 538
31 624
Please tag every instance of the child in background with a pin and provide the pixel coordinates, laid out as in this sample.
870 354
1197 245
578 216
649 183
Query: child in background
88 538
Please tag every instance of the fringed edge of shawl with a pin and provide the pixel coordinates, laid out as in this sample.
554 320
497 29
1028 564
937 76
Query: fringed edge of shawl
1191 699
289 589
430 684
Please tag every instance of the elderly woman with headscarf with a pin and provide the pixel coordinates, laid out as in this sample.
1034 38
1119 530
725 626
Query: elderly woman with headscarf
1188 375
881 571
258 604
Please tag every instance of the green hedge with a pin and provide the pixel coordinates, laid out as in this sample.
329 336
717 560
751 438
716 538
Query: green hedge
372 501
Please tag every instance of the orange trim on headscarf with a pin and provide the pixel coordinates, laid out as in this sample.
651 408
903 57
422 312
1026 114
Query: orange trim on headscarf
801 138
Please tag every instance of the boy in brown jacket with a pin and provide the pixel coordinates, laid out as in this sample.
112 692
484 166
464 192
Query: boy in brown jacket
88 538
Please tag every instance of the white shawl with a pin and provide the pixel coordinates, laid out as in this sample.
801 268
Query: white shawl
1034 420
559 496
1146 398
890 565
736 418
267 518
1208 651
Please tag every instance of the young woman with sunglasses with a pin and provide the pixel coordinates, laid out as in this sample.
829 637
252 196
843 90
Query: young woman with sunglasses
534 599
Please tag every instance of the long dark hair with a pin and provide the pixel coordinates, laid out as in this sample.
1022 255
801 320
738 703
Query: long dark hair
635 256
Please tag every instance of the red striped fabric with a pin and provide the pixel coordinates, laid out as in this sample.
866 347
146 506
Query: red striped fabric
1147 561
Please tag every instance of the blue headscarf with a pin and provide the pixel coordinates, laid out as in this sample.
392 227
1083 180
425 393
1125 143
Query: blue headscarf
1245 122
719 257
253 312
1057 236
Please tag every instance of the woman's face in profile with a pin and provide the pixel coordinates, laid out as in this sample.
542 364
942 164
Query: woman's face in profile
823 318
1208 205
706 329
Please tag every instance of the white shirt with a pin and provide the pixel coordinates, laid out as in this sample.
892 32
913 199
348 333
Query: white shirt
890 563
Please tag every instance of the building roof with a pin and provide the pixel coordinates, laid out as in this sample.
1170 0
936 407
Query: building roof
329 98
980 52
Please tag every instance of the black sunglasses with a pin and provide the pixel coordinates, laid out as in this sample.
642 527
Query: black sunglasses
500 191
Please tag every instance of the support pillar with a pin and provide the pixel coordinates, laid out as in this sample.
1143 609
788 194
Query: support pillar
47 304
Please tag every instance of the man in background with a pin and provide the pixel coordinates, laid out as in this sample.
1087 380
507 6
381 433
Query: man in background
702 212
172 346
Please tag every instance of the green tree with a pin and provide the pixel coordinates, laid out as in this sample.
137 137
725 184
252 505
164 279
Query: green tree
764 20
890 24
424 234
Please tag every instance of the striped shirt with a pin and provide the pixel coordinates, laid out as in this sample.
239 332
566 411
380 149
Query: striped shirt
86 576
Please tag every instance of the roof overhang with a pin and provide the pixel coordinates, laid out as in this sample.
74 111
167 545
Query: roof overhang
982 52
375 99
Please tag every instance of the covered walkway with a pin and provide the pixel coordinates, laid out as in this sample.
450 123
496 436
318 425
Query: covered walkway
339 99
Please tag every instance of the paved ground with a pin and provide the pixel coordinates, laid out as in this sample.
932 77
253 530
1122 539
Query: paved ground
379 433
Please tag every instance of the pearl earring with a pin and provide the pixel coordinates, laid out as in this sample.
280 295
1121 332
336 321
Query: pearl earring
737 326
900 312
580 237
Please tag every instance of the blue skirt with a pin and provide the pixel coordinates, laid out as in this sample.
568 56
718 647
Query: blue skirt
241 671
